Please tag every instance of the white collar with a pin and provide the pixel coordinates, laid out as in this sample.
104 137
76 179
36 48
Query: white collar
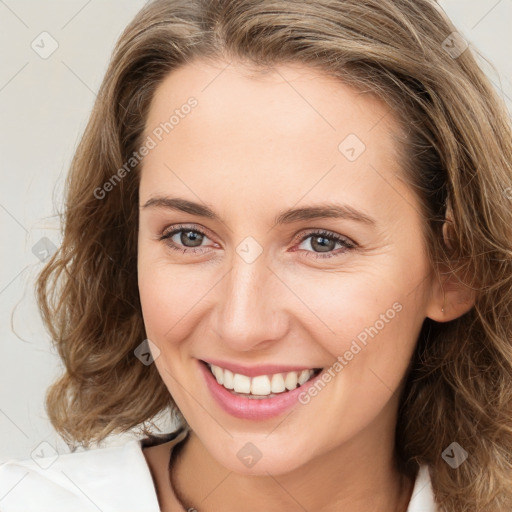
422 499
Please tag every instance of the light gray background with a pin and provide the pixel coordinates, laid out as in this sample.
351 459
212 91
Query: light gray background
44 107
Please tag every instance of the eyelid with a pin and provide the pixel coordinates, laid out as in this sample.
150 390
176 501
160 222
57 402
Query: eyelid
325 232
172 230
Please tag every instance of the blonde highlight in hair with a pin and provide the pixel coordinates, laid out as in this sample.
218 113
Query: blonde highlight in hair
456 152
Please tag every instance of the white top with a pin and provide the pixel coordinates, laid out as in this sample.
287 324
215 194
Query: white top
107 480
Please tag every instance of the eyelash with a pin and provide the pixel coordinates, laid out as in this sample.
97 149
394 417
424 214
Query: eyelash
348 245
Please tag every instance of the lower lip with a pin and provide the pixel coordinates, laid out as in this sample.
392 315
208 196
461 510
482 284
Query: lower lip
253 409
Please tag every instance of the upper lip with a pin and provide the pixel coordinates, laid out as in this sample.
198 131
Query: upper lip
254 371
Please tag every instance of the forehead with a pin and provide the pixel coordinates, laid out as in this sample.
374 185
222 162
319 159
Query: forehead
296 98
291 129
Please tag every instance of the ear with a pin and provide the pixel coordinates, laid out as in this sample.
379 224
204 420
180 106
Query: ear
450 293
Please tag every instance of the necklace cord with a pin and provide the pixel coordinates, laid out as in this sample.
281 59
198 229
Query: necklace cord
174 457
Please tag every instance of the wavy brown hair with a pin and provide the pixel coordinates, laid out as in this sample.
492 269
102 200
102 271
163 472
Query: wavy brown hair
457 156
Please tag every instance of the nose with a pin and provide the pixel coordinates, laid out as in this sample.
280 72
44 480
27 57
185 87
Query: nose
251 308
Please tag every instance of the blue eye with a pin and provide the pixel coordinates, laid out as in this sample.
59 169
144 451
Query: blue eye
322 242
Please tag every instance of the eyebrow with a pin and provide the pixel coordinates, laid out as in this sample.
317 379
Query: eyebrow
320 211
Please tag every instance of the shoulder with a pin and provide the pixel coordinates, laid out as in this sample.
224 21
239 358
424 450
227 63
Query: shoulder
422 499
108 479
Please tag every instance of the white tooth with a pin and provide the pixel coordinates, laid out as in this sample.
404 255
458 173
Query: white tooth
291 380
260 385
241 383
219 374
304 376
228 379
278 383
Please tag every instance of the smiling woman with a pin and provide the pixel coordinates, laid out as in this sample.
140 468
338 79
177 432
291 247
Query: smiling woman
315 262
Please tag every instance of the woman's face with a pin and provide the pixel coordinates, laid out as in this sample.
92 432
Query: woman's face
312 257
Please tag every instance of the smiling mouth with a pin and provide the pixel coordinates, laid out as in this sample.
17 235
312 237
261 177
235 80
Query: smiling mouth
261 386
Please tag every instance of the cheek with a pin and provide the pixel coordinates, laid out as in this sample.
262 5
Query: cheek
170 294
370 315
356 296
373 329
376 328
